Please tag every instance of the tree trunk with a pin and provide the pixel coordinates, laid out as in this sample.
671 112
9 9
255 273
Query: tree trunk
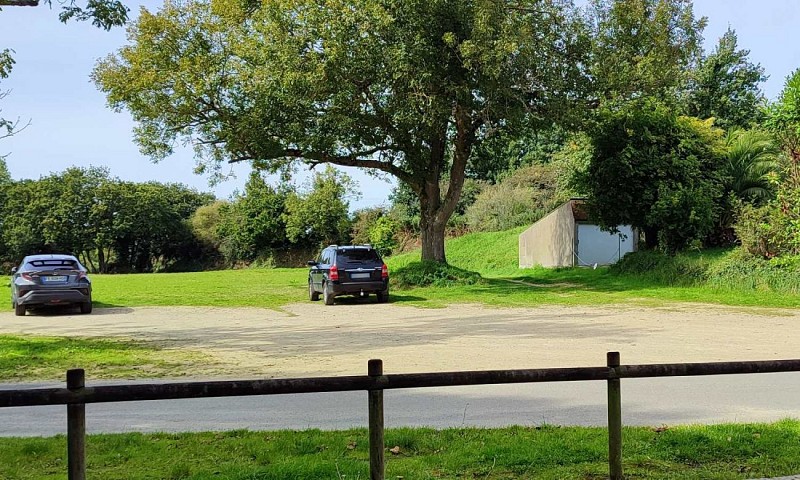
432 234
101 259
650 237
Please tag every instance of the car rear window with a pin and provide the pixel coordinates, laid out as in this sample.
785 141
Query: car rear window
358 256
53 265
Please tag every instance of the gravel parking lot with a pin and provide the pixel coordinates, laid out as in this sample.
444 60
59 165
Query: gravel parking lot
311 339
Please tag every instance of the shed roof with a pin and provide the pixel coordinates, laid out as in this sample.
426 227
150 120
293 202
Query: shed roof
579 211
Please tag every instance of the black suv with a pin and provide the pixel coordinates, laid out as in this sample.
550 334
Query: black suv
348 270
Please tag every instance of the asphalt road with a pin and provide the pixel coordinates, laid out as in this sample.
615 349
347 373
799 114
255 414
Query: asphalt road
670 401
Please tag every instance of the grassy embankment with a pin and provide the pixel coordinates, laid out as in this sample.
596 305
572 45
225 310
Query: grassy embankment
711 276
693 452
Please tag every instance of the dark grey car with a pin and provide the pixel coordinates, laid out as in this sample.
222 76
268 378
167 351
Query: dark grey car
356 270
42 280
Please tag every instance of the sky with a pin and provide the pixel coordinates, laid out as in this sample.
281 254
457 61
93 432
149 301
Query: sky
70 124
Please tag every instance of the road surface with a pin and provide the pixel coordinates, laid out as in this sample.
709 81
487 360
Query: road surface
660 401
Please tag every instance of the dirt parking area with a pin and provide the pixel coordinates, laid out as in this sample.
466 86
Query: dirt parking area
311 339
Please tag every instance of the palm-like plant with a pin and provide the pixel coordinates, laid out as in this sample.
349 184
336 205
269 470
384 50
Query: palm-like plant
751 157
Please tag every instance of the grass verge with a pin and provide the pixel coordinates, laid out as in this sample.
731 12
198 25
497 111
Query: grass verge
24 358
691 452
709 276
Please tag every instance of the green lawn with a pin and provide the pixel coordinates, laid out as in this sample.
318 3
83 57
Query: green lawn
493 255
558 453
269 288
46 358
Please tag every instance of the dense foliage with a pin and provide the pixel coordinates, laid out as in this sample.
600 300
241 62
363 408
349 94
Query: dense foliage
110 224
725 86
407 88
656 171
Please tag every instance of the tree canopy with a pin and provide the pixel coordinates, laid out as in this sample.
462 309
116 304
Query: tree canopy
643 48
725 86
656 171
408 88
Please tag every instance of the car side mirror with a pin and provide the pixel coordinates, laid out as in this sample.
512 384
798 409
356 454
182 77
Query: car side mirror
312 263
13 270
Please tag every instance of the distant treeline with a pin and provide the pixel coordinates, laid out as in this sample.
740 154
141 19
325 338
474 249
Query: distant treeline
119 226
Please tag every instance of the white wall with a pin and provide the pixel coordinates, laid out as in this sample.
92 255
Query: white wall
597 247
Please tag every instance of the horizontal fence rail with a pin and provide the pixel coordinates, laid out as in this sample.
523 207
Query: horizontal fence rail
239 388
77 395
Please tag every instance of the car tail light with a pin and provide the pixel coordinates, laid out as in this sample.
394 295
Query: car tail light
81 275
384 272
26 276
333 274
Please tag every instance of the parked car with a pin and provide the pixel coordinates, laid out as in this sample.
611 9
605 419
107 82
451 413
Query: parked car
355 270
46 280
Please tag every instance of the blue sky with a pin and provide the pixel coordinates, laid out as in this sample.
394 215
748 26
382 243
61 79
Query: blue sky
71 125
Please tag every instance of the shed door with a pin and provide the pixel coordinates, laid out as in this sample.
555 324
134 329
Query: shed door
603 248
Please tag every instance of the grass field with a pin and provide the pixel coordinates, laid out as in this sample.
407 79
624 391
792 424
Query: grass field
558 453
47 358
493 255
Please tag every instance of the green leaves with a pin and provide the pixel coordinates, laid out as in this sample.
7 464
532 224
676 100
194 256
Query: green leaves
725 86
655 171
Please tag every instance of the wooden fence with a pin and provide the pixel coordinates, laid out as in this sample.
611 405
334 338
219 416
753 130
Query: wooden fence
76 395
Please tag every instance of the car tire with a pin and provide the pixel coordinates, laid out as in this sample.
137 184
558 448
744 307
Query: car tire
383 296
327 295
19 310
313 295
86 307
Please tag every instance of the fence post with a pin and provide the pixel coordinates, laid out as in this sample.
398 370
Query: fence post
376 444
614 421
76 428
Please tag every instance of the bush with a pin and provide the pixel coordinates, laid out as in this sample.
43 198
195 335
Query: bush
424 274
741 271
382 235
363 220
521 198
662 268
759 233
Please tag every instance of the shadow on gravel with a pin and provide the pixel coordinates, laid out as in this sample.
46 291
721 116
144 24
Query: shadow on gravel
59 310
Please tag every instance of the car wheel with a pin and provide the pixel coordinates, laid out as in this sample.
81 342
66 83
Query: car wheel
383 296
327 295
86 307
19 310
313 295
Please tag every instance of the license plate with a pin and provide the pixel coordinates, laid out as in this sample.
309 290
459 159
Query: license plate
54 279
356 276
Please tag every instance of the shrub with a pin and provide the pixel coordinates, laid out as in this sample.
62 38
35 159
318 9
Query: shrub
382 235
741 271
521 198
424 274
363 220
662 268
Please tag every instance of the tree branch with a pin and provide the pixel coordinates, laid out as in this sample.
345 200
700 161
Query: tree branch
19 3
353 160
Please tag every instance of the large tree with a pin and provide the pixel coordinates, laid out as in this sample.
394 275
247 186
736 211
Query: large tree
657 171
725 86
643 48
405 87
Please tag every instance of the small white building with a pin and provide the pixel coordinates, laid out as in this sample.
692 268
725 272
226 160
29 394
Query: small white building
566 238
